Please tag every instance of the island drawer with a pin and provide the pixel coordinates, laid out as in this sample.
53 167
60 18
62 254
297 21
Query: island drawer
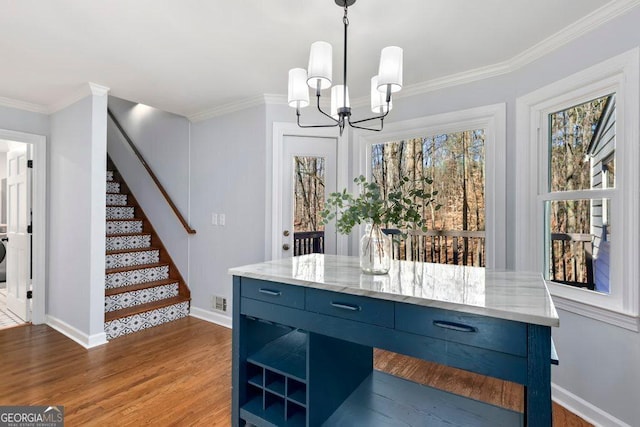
276 293
479 331
353 307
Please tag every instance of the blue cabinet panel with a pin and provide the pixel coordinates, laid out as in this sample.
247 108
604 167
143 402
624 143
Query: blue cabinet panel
478 331
352 307
275 293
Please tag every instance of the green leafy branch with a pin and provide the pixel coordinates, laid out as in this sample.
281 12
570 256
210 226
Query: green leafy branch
401 209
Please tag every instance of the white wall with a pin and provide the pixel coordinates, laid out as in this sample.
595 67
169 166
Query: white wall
228 162
77 187
23 121
163 140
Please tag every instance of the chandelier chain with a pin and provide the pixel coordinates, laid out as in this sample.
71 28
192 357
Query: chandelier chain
345 20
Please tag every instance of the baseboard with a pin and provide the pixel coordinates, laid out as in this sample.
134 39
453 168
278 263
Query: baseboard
584 409
210 316
87 341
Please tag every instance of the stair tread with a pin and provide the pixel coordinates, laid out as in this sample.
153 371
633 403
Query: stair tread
124 251
139 286
124 219
135 267
129 234
137 309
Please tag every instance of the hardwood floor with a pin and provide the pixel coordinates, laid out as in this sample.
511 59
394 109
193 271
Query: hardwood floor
176 374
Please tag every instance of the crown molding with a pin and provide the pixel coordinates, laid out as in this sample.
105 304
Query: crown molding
577 29
457 79
22 105
227 108
98 90
275 99
88 89
582 26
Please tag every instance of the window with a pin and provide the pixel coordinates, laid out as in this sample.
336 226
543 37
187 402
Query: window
580 139
308 202
455 163
463 148
576 189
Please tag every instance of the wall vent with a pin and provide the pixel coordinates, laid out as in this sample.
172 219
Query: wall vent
219 303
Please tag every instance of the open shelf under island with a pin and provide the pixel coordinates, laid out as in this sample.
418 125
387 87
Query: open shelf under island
304 330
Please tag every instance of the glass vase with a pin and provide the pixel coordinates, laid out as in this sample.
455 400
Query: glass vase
375 251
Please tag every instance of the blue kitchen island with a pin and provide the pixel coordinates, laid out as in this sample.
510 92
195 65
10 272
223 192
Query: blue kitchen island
304 329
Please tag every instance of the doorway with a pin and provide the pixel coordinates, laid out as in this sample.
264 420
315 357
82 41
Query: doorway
22 225
307 167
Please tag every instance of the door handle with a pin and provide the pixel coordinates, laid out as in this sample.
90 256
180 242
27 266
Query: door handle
285 247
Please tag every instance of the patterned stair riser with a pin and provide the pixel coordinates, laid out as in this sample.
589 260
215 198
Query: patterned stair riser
133 277
116 199
129 259
142 296
114 212
119 327
124 227
113 187
109 175
116 243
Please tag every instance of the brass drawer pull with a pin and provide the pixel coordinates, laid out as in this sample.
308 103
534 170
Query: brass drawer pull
270 292
344 306
454 326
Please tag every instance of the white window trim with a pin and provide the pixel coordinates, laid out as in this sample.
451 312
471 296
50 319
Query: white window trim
491 118
619 74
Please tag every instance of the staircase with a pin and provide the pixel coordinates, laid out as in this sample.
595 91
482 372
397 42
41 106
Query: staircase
143 287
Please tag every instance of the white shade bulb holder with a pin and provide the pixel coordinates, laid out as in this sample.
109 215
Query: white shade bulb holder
298 93
379 99
320 65
390 70
337 100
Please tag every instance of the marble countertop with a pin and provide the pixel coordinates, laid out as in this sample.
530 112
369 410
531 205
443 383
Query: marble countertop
519 296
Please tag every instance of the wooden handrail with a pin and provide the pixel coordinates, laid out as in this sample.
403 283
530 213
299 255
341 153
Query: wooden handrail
153 176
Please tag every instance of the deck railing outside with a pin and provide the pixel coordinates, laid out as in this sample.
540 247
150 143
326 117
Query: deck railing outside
572 259
571 254
442 247
308 242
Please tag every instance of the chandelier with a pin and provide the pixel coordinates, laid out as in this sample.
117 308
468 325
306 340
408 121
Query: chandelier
318 76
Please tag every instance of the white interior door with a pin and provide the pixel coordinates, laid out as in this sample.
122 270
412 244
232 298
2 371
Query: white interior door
19 240
308 176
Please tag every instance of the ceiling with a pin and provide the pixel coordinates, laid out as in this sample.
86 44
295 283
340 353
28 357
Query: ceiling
191 56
